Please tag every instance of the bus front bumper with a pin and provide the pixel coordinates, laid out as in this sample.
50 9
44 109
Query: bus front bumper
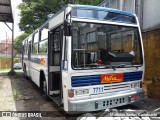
105 102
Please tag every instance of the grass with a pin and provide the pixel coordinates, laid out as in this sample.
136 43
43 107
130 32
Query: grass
4 70
16 95
8 69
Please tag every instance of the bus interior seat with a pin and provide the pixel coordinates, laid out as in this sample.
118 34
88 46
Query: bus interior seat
103 55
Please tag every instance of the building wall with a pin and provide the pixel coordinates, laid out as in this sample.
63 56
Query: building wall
151 41
146 10
151 15
6 48
126 5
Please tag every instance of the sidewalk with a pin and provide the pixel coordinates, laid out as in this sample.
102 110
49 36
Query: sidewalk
7 102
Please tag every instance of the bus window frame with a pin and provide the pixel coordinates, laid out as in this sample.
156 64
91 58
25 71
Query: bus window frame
108 23
37 42
41 40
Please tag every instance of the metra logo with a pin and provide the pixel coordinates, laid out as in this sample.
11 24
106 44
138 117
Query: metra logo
109 78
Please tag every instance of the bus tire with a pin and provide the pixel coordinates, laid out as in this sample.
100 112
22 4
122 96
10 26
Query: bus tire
44 89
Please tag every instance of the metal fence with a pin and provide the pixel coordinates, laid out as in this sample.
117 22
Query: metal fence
5 56
5 61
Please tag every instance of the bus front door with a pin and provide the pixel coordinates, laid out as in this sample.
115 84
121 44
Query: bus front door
54 62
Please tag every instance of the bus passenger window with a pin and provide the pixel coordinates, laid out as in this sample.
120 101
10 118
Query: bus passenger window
35 48
43 45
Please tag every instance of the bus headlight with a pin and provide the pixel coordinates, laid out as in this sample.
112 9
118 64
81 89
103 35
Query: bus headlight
135 85
79 92
86 91
82 92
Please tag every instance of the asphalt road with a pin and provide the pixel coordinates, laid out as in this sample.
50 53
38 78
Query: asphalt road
21 94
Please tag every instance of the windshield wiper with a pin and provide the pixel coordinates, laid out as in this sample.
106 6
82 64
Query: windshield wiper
127 66
137 66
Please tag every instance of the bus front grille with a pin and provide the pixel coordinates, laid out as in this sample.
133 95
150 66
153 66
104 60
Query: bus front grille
110 88
131 76
85 80
78 81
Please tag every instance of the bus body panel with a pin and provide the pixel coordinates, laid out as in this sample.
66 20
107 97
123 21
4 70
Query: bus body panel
56 20
78 81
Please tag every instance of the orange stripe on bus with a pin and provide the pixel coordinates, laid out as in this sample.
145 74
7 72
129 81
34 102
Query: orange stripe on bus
42 61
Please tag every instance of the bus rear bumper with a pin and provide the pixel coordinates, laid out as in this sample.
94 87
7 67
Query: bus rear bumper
100 103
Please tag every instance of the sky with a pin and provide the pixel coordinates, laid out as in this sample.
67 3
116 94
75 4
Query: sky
6 32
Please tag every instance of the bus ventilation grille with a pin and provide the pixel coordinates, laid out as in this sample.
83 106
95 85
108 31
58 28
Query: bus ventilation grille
85 80
78 81
131 76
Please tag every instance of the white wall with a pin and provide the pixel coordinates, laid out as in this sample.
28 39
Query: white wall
151 15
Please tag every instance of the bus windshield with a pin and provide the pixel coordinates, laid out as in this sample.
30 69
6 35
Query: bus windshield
105 46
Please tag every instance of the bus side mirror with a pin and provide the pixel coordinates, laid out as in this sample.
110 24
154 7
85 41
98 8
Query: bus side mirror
67 28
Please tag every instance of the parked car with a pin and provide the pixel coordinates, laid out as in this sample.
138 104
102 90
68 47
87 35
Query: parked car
17 66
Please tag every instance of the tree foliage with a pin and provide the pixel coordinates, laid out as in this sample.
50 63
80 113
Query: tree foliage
18 42
35 12
88 2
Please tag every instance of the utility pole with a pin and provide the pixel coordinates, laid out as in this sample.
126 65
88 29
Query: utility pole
12 72
6 45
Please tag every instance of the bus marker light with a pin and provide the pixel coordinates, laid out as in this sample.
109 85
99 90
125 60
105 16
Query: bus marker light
134 98
71 93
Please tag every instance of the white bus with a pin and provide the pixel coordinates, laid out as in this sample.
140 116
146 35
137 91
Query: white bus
87 58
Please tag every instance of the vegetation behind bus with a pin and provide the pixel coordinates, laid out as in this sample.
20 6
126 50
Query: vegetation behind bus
18 42
34 13
5 62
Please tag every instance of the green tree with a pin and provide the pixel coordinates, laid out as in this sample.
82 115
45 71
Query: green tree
88 2
18 42
34 12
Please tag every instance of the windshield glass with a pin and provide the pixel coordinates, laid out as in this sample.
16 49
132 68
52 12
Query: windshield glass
105 46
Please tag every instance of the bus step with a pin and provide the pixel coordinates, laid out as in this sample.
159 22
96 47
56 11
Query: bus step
56 99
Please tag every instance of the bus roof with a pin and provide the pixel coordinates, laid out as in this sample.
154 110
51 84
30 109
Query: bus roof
100 8
85 7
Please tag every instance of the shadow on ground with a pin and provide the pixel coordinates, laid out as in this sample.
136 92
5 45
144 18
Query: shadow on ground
29 97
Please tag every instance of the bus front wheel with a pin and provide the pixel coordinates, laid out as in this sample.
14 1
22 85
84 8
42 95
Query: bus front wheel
45 90
45 87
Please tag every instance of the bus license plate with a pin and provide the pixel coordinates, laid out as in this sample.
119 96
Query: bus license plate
98 90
